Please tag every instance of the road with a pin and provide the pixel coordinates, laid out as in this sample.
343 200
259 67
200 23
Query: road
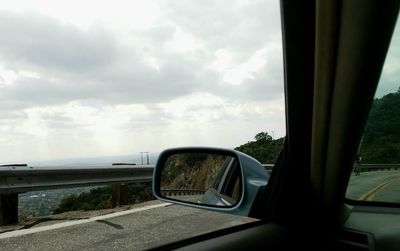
387 191
138 229
375 186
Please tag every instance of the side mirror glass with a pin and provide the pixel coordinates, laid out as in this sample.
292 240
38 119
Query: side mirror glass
211 179
216 179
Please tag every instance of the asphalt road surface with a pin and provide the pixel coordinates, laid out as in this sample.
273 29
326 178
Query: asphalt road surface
128 230
375 186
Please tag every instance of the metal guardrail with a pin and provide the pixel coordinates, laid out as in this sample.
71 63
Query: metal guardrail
378 167
23 179
19 178
16 179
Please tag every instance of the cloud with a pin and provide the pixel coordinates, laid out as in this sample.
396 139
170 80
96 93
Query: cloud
390 81
242 27
179 77
45 43
153 66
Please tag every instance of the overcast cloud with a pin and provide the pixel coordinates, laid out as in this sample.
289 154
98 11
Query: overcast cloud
80 79
389 81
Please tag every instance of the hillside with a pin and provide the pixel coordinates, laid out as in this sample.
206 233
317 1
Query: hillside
100 198
380 144
263 148
191 171
381 139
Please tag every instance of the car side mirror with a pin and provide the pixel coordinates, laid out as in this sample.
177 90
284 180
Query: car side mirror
216 179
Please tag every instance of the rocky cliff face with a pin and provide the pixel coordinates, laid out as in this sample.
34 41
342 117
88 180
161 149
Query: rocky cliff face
191 171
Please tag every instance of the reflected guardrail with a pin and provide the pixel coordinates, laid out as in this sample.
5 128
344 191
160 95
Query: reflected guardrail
176 192
268 167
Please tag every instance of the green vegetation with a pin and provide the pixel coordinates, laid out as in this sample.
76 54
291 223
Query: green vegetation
381 140
264 148
380 144
100 198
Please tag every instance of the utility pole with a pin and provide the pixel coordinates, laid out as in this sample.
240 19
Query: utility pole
141 157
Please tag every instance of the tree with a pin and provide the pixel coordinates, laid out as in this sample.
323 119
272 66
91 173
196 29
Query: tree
263 136
381 140
264 149
100 198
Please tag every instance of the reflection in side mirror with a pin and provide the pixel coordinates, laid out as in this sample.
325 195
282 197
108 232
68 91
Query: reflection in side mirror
202 178
221 180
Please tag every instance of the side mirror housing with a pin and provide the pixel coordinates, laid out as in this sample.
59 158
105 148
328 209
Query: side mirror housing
216 179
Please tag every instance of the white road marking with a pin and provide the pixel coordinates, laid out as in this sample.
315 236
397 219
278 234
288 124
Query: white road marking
21 232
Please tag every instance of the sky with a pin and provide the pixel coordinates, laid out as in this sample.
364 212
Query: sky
390 76
96 78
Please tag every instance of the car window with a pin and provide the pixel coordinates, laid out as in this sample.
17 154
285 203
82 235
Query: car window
111 85
376 171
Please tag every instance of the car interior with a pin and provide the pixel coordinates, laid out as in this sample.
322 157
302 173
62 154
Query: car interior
334 52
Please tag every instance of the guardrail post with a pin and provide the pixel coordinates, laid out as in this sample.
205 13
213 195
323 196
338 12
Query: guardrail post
8 209
119 194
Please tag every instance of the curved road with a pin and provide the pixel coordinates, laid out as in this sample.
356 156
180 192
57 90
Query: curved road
388 191
375 186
